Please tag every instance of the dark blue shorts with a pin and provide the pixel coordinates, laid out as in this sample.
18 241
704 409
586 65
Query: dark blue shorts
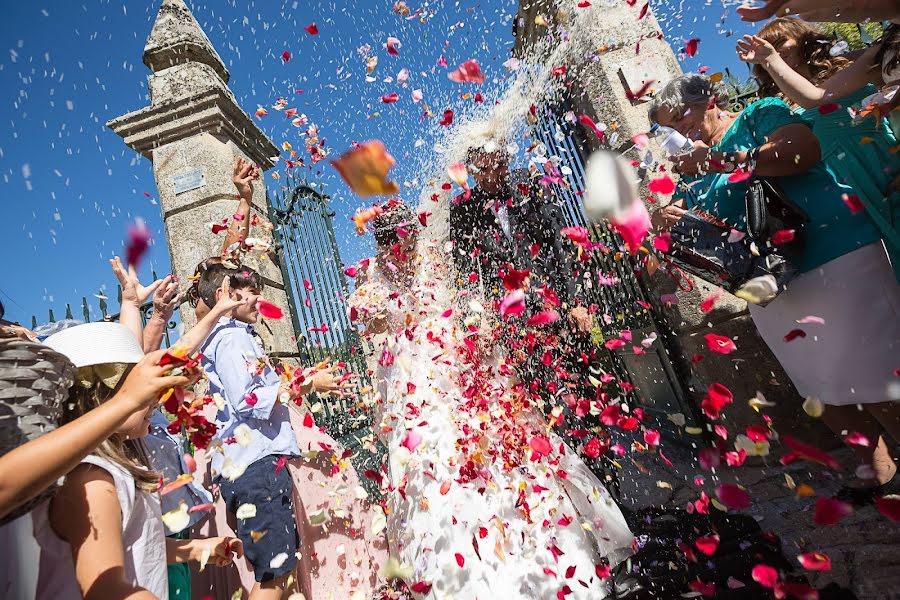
272 494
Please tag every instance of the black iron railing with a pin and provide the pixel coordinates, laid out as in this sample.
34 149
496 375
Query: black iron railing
103 306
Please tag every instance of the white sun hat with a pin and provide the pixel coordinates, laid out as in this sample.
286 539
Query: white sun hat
97 344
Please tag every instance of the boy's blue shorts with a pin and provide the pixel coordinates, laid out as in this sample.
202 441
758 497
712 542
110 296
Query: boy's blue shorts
272 494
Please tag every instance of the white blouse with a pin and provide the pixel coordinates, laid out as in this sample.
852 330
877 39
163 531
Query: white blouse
143 538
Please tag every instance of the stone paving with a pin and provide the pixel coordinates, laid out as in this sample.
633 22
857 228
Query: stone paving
864 548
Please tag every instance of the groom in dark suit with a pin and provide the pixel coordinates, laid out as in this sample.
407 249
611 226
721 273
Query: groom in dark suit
508 224
509 221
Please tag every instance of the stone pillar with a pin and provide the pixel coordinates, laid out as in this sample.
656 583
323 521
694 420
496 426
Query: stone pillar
600 91
192 132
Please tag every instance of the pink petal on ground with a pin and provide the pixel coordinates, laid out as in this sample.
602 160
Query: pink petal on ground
733 496
707 545
540 445
889 506
707 304
812 453
830 511
765 576
815 561
719 343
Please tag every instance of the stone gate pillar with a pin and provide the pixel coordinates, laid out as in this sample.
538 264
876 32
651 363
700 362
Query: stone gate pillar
192 132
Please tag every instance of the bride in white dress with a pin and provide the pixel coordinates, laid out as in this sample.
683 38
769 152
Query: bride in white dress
484 501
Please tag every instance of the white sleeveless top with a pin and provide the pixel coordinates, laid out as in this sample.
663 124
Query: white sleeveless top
143 538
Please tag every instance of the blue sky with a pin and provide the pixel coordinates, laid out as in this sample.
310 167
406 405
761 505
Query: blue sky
70 187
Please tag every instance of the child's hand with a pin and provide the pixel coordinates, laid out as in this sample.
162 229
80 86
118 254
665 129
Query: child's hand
245 173
225 302
218 551
132 290
147 381
326 381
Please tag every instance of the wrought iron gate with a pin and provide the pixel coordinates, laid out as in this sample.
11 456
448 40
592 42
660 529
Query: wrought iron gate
623 296
317 291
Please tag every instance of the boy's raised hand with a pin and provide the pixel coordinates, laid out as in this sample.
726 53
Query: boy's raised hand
245 173
225 302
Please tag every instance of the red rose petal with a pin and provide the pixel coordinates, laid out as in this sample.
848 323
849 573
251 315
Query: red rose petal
815 561
733 496
719 343
830 511
889 506
765 575
269 310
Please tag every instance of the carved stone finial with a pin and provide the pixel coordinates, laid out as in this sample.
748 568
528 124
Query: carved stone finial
177 38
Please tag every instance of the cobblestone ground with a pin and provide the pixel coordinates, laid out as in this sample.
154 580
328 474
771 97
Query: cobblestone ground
864 548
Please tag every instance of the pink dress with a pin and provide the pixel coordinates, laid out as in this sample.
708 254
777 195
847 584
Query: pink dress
340 559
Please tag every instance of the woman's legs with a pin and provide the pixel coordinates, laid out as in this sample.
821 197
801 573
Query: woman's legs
851 419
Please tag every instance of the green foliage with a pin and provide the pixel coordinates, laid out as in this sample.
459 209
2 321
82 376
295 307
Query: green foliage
858 37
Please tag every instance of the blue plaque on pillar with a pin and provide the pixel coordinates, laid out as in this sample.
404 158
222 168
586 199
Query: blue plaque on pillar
189 180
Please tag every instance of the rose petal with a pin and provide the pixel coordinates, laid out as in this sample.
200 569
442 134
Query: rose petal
269 310
815 561
365 169
733 496
830 511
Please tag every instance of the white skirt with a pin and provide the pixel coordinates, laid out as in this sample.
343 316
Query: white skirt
852 357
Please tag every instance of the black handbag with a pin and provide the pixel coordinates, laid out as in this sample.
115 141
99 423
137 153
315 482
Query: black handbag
753 268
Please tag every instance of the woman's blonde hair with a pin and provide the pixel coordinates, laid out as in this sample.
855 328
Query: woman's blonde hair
815 48
130 454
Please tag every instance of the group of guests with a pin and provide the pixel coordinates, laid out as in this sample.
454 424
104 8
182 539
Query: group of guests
134 485
820 131
825 130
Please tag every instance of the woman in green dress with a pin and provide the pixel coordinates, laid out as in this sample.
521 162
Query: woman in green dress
846 279
862 152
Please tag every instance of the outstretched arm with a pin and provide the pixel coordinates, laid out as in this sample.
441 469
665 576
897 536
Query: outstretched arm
245 173
218 551
755 50
225 303
841 11
133 296
165 300
52 455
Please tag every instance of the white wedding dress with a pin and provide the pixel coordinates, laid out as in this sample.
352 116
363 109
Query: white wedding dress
484 501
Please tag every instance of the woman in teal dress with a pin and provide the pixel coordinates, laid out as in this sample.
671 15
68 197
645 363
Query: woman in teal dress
846 278
863 154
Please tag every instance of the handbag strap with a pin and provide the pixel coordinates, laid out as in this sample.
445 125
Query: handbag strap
672 269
